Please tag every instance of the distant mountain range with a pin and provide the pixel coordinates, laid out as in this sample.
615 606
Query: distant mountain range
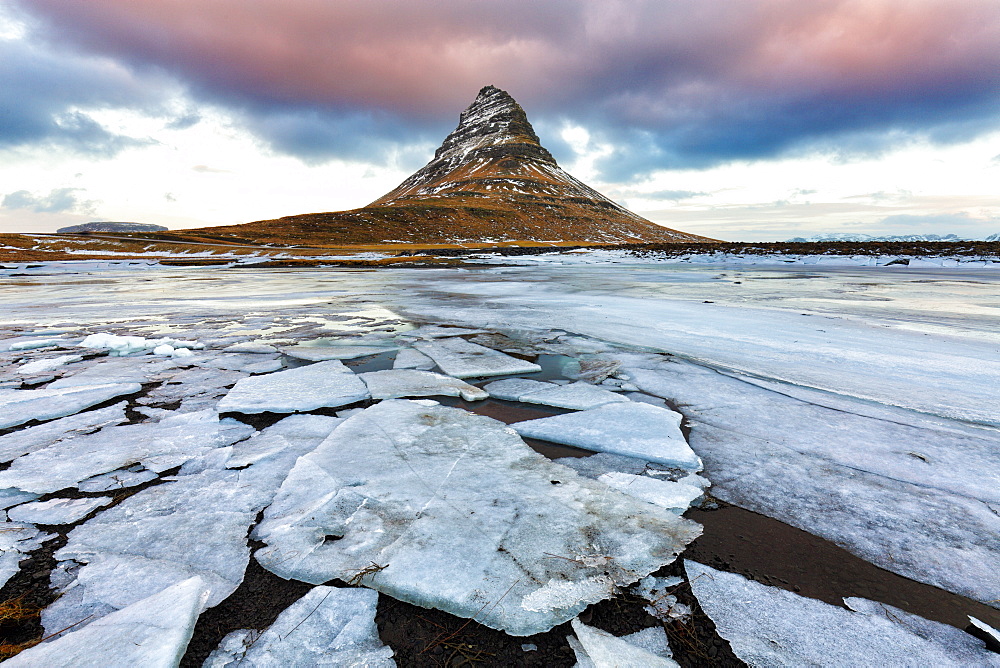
110 227
847 236
490 181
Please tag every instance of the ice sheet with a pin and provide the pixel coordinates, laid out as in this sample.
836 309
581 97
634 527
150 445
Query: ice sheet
463 516
767 626
326 627
20 406
151 633
57 511
321 385
462 359
576 396
18 443
397 383
633 429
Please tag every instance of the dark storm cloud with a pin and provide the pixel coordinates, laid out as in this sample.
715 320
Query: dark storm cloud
668 83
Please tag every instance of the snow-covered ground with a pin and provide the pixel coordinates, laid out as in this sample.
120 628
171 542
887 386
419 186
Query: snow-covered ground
859 401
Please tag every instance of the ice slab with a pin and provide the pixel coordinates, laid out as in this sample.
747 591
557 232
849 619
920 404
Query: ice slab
767 626
18 443
20 406
462 359
910 493
120 479
117 370
464 517
191 525
194 383
607 651
674 496
17 539
152 633
245 362
576 396
57 511
126 345
324 353
440 332
47 364
251 347
992 635
326 627
408 358
397 383
12 496
158 446
321 385
632 429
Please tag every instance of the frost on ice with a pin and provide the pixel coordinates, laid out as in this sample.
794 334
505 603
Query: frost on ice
153 633
577 396
398 383
20 406
462 359
464 517
321 385
633 429
767 626
326 627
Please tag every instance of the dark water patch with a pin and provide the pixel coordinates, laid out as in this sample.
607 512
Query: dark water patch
555 450
776 554
507 412
379 362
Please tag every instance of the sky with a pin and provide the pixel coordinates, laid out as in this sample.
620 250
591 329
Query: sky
750 120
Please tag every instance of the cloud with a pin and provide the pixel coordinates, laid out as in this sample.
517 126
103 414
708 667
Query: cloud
934 223
668 83
673 195
59 200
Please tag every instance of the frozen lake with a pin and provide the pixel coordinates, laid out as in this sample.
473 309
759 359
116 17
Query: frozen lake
860 404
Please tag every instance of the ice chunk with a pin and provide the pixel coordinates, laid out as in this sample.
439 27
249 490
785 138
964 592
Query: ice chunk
992 635
192 525
675 496
22 442
577 396
34 344
608 651
326 627
323 353
120 479
159 446
12 496
246 363
439 331
57 511
47 364
322 385
20 406
151 633
251 347
662 603
408 358
464 517
462 359
653 640
631 429
196 382
117 370
126 345
17 539
396 383
773 627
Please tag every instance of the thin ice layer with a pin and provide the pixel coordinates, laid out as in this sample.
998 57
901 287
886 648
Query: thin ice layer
158 446
20 406
408 358
57 511
607 651
464 517
632 429
326 627
321 385
399 383
151 633
192 525
576 396
913 494
462 359
18 443
767 626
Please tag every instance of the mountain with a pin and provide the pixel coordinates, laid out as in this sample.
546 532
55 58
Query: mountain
490 181
857 237
110 227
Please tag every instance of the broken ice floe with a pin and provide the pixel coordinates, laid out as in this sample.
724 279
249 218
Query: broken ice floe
600 649
674 496
191 525
459 514
158 446
20 406
408 358
251 347
767 626
47 364
153 633
633 429
120 479
315 353
398 383
126 345
117 370
18 443
576 396
326 627
11 496
17 539
461 359
321 385
57 511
